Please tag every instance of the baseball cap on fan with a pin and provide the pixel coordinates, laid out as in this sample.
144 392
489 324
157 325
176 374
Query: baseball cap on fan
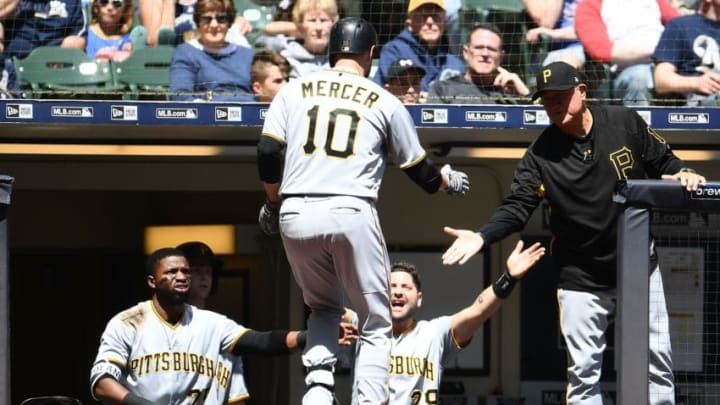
556 76
417 3
401 66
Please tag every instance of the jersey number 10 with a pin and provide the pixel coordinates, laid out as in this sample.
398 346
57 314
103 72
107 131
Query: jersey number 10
312 114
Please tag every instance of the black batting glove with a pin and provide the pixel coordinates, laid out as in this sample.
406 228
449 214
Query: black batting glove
269 218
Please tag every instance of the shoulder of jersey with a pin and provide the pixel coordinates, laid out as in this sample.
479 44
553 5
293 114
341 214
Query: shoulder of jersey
135 314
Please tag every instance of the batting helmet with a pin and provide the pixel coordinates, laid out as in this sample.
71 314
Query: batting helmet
198 254
351 35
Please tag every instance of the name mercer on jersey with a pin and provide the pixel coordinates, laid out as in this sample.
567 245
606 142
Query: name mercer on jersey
180 362
344 91
410 365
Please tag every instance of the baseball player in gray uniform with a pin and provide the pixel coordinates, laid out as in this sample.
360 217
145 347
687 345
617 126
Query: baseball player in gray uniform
205 270
420 348
335 129
164 351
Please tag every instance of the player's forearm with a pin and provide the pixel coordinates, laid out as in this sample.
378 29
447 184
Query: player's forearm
109 390
272 342
466 322
272 191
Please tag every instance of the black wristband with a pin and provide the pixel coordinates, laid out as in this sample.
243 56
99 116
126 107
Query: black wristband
504 285
301 339
132 399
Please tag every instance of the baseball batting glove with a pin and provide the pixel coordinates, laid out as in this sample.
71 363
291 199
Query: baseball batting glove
269 219
457 181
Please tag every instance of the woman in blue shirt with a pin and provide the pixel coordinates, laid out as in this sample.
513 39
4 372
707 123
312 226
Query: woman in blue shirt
209 68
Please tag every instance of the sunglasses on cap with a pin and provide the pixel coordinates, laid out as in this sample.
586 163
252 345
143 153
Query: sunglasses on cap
115 3
220 18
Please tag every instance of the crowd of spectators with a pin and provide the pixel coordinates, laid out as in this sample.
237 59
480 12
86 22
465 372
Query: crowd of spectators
647 50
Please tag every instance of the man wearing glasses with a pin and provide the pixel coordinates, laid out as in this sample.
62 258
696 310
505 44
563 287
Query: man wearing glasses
484 81
424 42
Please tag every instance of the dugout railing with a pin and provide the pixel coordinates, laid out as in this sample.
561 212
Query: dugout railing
5 191
640 198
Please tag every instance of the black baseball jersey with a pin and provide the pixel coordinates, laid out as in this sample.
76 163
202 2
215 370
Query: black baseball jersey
578 176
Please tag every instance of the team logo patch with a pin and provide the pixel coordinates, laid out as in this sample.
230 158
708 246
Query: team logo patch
182 113
486 116
64 111
535 117
228 113
24 111
689 118
706 192
123 113
434 116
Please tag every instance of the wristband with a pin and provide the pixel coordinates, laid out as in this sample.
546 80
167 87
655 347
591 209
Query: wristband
687 170
301 339
504 285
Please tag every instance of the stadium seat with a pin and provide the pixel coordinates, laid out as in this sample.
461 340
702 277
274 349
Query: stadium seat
257 13
146 73
52 72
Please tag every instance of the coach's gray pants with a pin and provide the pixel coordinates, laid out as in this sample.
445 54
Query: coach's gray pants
335 243
584 318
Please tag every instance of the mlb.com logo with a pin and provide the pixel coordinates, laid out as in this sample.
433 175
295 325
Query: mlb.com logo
228 114
434 116
24 111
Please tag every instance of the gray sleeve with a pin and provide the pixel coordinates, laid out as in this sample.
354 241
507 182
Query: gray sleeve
403 142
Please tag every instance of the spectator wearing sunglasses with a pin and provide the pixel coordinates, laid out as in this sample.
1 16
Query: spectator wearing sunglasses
209 68
111 35
172 22
31 23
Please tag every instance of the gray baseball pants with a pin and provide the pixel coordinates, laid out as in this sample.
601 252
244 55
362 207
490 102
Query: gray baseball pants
584 318
335 243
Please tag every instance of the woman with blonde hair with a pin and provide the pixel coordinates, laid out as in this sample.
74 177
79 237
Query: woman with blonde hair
307 51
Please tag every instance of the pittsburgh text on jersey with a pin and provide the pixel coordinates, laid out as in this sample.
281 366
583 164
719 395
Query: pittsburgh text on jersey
409 365
343 91
180 362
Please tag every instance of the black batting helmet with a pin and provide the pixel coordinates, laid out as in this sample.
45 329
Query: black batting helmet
198 254
351 35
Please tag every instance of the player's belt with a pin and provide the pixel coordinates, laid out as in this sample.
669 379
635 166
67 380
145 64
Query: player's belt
322 196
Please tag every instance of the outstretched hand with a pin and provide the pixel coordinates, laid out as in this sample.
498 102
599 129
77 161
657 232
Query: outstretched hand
348 332
520 261
466 245
690 180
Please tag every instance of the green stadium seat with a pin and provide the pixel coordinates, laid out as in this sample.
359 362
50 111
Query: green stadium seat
55 72
257 14
146 73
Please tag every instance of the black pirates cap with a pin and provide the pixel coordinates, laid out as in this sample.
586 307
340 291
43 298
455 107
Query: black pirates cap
401 66
556 76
